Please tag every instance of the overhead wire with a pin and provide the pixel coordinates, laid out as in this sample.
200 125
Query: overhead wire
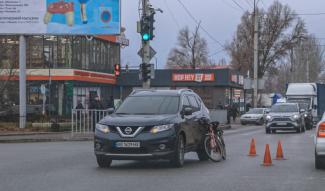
238 5
197 22
172 14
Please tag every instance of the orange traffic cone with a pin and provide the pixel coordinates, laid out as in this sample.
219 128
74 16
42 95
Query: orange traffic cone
267 156
279 152
252 149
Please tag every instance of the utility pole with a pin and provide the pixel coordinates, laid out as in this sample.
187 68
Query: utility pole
146 45
255 86
307 69
22 81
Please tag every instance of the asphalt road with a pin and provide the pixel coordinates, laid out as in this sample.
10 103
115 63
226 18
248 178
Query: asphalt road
71 166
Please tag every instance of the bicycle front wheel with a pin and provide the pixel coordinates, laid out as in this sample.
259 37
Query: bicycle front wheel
213 148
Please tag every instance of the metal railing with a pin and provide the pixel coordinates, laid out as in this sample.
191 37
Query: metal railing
84 120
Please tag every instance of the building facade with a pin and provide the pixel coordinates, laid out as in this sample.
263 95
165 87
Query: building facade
62 71
221 86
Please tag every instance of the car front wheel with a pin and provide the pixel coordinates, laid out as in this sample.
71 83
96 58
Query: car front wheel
178 158
318 162
103 161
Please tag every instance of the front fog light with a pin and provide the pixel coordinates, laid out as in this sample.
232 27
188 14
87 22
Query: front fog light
295 117
162 146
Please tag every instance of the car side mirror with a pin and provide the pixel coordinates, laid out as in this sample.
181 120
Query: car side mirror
187 111
302 111
110 111
267 111
314 106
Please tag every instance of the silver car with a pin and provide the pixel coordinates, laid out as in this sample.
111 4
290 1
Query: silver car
254 115
320 144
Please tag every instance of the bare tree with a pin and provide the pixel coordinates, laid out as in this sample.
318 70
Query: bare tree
192 50
8 66
307 61
279 30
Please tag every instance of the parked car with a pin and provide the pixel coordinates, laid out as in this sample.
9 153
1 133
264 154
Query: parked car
320 144
254 116
285 116
153 124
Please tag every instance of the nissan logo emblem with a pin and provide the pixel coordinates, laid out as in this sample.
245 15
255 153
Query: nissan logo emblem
128 130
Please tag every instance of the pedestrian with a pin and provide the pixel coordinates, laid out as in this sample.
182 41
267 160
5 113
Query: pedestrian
95 107
234 112
228 113
220 106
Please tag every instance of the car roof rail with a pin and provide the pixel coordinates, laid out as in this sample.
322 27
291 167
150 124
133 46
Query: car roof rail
141 90
184 90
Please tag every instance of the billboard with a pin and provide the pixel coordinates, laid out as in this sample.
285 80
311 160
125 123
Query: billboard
60 17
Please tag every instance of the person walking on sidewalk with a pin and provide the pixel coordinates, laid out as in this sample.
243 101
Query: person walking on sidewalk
234 112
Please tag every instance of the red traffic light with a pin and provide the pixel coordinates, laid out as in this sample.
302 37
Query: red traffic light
117 69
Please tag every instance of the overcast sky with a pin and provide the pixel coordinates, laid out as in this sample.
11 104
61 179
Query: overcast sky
219 17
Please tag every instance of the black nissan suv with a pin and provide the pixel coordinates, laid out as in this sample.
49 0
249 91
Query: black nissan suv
153 124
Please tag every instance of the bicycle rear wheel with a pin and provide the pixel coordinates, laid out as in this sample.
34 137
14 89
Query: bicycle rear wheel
213 150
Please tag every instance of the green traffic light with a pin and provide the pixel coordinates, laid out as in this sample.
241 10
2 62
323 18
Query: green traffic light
146 36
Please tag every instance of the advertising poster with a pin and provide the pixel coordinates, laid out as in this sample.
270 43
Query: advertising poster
60 17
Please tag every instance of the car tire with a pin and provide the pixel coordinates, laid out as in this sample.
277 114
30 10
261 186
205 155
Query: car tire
261 122
243 123
267 131
202 155
318 162
299 130
103 161
178 158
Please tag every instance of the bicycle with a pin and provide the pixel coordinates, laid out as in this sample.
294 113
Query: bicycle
214 144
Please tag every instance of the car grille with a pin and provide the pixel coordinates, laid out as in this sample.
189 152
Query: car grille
129 150
282 119
130 131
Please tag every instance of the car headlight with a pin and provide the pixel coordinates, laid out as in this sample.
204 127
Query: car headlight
305 115
160 128
102 128
268 117
295 117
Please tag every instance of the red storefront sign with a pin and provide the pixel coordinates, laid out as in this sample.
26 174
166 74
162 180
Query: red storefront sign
191 77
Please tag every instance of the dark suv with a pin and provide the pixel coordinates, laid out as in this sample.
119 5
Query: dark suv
153 124
285 116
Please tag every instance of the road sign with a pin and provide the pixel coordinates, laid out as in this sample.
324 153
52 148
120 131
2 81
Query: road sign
151 54
56 17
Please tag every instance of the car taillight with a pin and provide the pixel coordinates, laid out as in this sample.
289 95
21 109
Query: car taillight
321 130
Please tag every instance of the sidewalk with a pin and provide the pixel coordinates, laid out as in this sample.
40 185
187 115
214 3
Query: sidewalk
44 137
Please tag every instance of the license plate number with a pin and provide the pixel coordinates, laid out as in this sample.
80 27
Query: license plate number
281 124
128 144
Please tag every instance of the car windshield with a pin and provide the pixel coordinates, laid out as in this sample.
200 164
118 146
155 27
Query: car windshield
303 103
284 108
255 111
149 105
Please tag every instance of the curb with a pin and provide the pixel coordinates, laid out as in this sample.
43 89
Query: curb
26 140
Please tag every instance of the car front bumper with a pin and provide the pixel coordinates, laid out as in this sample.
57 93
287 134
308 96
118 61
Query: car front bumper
250 120
150 146
283 125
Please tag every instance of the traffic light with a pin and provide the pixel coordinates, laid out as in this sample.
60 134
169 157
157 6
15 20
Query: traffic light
145 71
117 69
147 27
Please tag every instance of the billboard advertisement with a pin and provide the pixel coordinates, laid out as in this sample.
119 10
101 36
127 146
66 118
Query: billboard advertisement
60 17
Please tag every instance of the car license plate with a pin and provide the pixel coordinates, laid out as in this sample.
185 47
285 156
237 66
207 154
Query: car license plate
281 124
128 144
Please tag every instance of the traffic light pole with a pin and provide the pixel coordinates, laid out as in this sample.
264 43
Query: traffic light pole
146 45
